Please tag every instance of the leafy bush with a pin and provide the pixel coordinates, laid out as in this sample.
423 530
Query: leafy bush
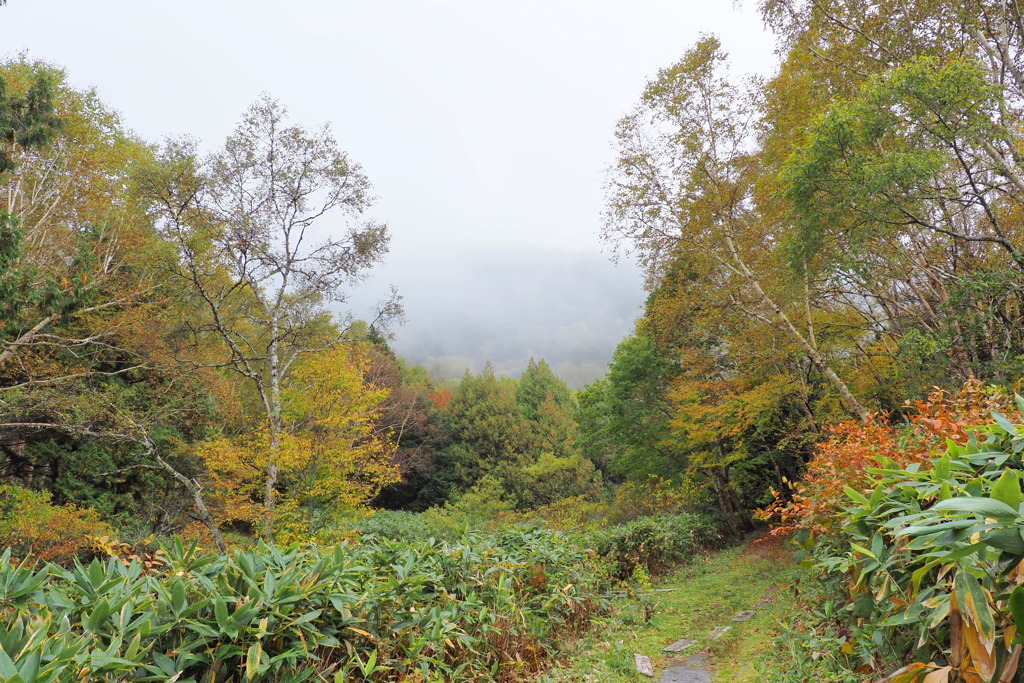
486 608
552 478
578 513
482 508
816 503
927 565
479 507
398 525
656 496
656 543
628 502
31 526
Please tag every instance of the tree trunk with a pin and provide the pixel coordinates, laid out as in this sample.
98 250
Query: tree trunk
274 420
197 497
812 353
739 519
726 501
723 504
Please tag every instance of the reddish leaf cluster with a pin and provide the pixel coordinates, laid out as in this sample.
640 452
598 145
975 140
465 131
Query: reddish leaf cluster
851 448
441 397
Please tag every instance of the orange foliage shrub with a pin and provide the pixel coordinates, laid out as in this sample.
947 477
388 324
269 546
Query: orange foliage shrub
34 528
152 559
441 398
851 448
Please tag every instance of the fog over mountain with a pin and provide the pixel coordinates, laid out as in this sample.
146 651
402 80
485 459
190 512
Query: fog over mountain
570 307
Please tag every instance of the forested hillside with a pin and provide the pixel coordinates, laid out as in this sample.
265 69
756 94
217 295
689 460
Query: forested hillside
827 244
208 470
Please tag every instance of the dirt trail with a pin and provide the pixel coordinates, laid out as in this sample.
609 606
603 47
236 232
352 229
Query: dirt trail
696 667
711 620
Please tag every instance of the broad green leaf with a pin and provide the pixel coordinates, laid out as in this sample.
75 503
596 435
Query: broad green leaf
878 545
252 661
947 558
165 663
28 666
96 574
220 611
877 496
918 576
863 551
1007 489
856 496
982 506
976 487
371 664
918 529
178 598
1017 610
101 610
863 606
7 668
1009 540
309 616
1004 423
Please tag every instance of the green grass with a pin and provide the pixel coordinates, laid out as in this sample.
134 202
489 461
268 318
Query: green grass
703 595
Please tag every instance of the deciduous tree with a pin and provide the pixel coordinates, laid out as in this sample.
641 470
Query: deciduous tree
332 458
683 189
250 224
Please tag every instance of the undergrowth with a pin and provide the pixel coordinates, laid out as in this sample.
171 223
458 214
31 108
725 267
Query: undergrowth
484 608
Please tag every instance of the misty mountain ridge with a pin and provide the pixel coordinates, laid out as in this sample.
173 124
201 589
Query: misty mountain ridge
505 306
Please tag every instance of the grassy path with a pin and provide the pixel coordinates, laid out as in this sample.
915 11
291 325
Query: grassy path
698 598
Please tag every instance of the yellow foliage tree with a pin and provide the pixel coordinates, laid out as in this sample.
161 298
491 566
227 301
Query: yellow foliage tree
331 456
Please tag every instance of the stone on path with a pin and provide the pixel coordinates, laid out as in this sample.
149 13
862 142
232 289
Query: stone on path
767 597
691 671
680 645
644 664
718 632
685 674
743 616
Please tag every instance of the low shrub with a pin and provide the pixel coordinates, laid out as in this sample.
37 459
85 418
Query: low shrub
657 496
31 526
656 543
922 574
815 504
484 608
551 479
570 514
398 525
478 508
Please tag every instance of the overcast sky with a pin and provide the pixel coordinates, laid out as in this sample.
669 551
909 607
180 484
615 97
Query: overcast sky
485 128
